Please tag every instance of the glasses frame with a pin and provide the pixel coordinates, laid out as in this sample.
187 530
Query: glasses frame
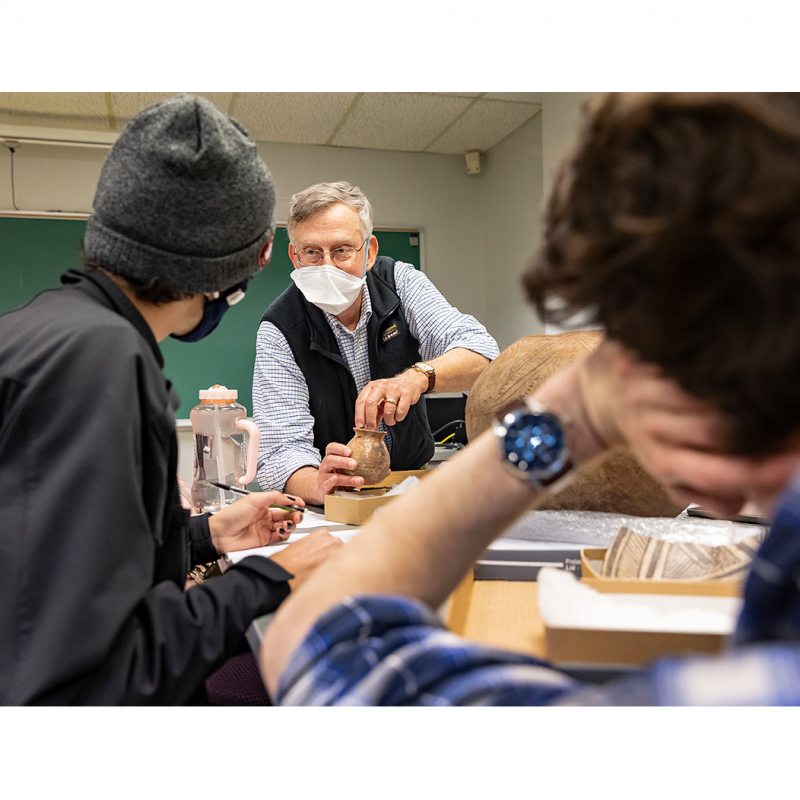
330 253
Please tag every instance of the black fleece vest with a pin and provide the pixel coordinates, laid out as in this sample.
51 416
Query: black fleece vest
331 388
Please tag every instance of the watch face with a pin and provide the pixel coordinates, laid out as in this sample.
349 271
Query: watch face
533 443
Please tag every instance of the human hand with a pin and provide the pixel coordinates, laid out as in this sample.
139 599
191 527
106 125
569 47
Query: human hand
329 478
680 440
389 399
250 522
302 557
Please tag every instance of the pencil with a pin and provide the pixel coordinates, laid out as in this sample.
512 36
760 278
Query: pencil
228 488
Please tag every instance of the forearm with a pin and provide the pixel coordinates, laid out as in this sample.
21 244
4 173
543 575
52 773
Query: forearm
304 483
458 369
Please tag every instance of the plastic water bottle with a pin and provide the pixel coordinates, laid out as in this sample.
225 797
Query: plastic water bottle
225 447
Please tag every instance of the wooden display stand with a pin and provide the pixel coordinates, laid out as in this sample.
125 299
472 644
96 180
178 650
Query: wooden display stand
355 508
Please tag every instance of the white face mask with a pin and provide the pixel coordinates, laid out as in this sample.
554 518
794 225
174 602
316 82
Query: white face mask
327 287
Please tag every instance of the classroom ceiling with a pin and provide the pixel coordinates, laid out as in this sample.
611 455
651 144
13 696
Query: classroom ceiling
420 122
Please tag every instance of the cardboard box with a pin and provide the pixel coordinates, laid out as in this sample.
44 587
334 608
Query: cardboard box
567 647
355 508
592 564
613 644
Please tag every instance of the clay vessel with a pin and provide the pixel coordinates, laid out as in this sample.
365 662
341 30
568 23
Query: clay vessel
635 555
369 450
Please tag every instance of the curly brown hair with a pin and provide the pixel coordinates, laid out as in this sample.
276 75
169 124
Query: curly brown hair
675 226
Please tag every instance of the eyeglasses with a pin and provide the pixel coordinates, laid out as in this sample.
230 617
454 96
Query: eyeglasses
341 256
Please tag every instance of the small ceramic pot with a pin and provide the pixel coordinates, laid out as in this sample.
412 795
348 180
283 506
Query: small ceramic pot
370 451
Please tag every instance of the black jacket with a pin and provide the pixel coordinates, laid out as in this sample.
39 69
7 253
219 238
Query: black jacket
94 545
331 388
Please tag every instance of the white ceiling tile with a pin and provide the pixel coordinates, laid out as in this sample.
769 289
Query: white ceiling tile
126 105
485 123
55 109
434 122
398 121
298 117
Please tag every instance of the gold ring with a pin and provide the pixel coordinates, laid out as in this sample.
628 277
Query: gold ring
389 400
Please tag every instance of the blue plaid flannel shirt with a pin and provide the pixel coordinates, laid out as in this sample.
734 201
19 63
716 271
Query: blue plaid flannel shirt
386 650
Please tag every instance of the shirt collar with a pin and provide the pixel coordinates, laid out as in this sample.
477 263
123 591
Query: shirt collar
363 317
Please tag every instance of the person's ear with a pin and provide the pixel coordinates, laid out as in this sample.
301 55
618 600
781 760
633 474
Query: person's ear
293 256
373 252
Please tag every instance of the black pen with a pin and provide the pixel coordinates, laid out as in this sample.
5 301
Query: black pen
228 488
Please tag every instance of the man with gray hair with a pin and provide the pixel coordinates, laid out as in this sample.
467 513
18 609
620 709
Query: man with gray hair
357 341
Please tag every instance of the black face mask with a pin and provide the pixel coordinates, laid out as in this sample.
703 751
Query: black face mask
213 312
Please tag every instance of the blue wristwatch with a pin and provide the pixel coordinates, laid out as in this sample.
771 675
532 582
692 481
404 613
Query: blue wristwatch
533 445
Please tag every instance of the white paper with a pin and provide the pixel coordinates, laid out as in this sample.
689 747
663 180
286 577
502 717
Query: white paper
312 519
270 550
404 486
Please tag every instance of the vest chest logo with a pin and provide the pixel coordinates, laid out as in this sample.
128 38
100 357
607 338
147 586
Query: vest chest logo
390 333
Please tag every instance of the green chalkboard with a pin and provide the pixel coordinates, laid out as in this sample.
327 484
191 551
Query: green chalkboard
35 252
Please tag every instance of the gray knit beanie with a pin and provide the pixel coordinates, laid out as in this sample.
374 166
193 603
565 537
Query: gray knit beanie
183 197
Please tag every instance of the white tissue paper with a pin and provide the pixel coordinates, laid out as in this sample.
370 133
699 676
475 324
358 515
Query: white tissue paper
404 486
564 602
